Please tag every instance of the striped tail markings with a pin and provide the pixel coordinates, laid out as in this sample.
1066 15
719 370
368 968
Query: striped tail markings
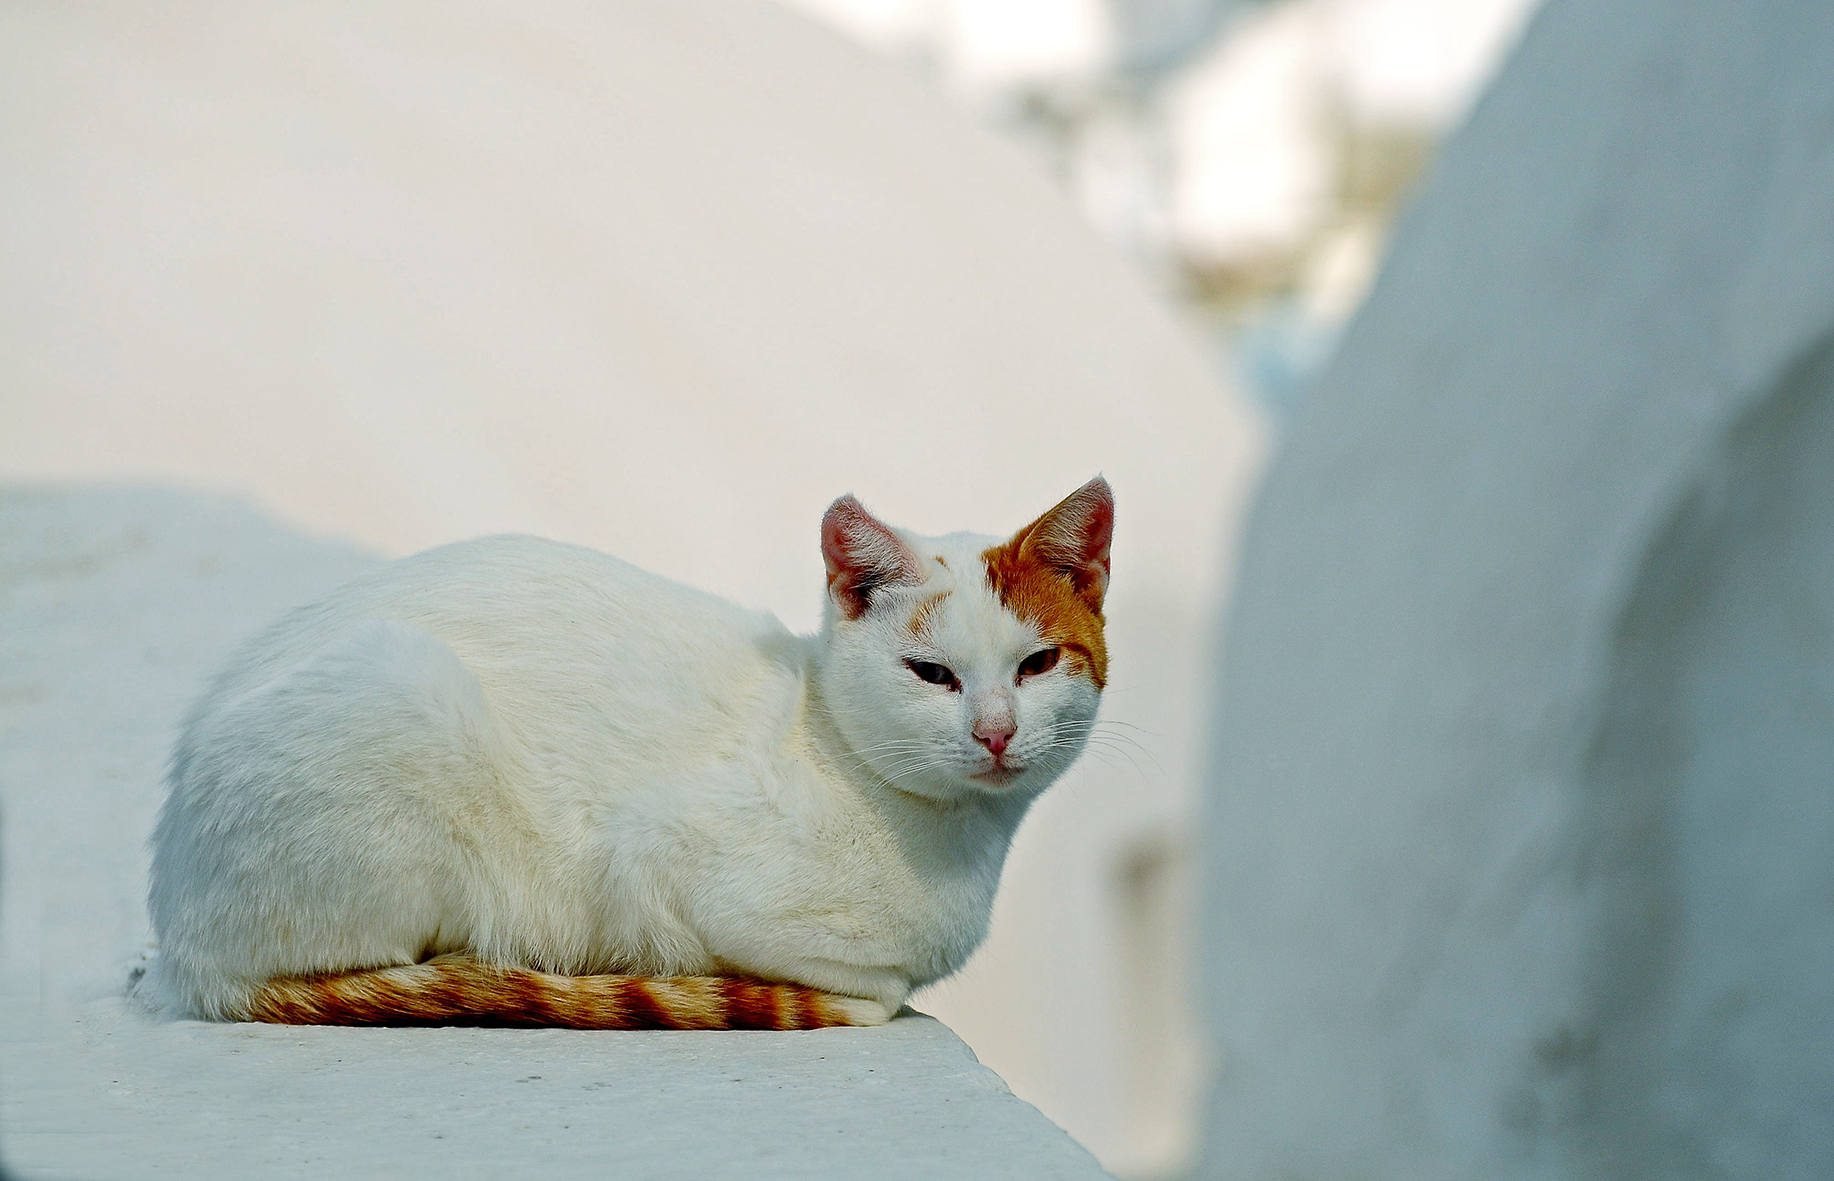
459 990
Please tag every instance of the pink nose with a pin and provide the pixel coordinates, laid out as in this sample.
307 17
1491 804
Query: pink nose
994 736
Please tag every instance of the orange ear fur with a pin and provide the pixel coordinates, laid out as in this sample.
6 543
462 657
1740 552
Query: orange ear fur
1074 538
1054 573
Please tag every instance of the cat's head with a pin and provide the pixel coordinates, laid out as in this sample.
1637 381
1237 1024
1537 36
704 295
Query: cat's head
966 665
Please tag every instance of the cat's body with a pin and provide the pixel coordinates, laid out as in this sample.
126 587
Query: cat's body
524 757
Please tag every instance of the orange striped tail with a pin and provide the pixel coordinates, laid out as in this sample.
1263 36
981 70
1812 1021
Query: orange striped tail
459 990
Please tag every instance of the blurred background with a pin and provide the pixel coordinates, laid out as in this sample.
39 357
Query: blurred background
1409 852
1250 156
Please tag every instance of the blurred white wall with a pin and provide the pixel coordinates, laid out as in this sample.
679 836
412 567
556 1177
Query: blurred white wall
1520 824
981 48
663 277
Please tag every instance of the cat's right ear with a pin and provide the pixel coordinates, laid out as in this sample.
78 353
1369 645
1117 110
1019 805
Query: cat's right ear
862 555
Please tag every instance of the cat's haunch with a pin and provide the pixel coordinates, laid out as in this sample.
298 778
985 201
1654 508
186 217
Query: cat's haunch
512 781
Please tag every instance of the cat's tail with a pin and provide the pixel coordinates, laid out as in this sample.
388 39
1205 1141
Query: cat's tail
459 990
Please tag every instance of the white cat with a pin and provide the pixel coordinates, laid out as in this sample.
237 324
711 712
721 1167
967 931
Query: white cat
516 781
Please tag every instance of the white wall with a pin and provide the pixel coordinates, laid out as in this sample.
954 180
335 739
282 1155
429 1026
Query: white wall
1520 818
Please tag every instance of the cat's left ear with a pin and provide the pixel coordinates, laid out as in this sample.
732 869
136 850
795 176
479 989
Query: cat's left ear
862 554
1073 539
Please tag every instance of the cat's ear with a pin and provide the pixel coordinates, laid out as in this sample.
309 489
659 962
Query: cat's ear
862 555
1073 539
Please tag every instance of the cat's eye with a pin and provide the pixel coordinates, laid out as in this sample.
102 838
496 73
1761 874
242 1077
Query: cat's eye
1041 661
936 674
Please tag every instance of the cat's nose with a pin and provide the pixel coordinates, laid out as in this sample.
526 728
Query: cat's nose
994 735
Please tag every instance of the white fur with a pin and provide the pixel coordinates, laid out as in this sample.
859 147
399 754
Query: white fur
547 757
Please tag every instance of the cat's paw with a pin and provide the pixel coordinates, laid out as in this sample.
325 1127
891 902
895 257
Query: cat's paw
855 1010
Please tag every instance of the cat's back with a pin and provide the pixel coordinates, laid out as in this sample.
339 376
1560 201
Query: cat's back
559 634
506 593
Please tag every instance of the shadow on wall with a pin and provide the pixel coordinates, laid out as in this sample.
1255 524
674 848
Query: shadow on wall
1707 833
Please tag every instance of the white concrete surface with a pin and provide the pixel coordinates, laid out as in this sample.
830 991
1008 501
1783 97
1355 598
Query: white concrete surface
1521 816
114 607
663 277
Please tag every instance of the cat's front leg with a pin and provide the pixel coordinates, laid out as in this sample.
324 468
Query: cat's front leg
888 985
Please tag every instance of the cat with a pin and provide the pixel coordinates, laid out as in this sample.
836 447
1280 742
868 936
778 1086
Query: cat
514 781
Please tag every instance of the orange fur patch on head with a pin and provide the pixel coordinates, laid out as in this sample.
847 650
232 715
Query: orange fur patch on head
1054 573
1043 597
920 618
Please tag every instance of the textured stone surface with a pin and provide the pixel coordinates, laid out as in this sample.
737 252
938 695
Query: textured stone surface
1523 808
114 606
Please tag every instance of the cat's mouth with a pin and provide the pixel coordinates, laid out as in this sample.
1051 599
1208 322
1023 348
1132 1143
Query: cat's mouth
999 775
